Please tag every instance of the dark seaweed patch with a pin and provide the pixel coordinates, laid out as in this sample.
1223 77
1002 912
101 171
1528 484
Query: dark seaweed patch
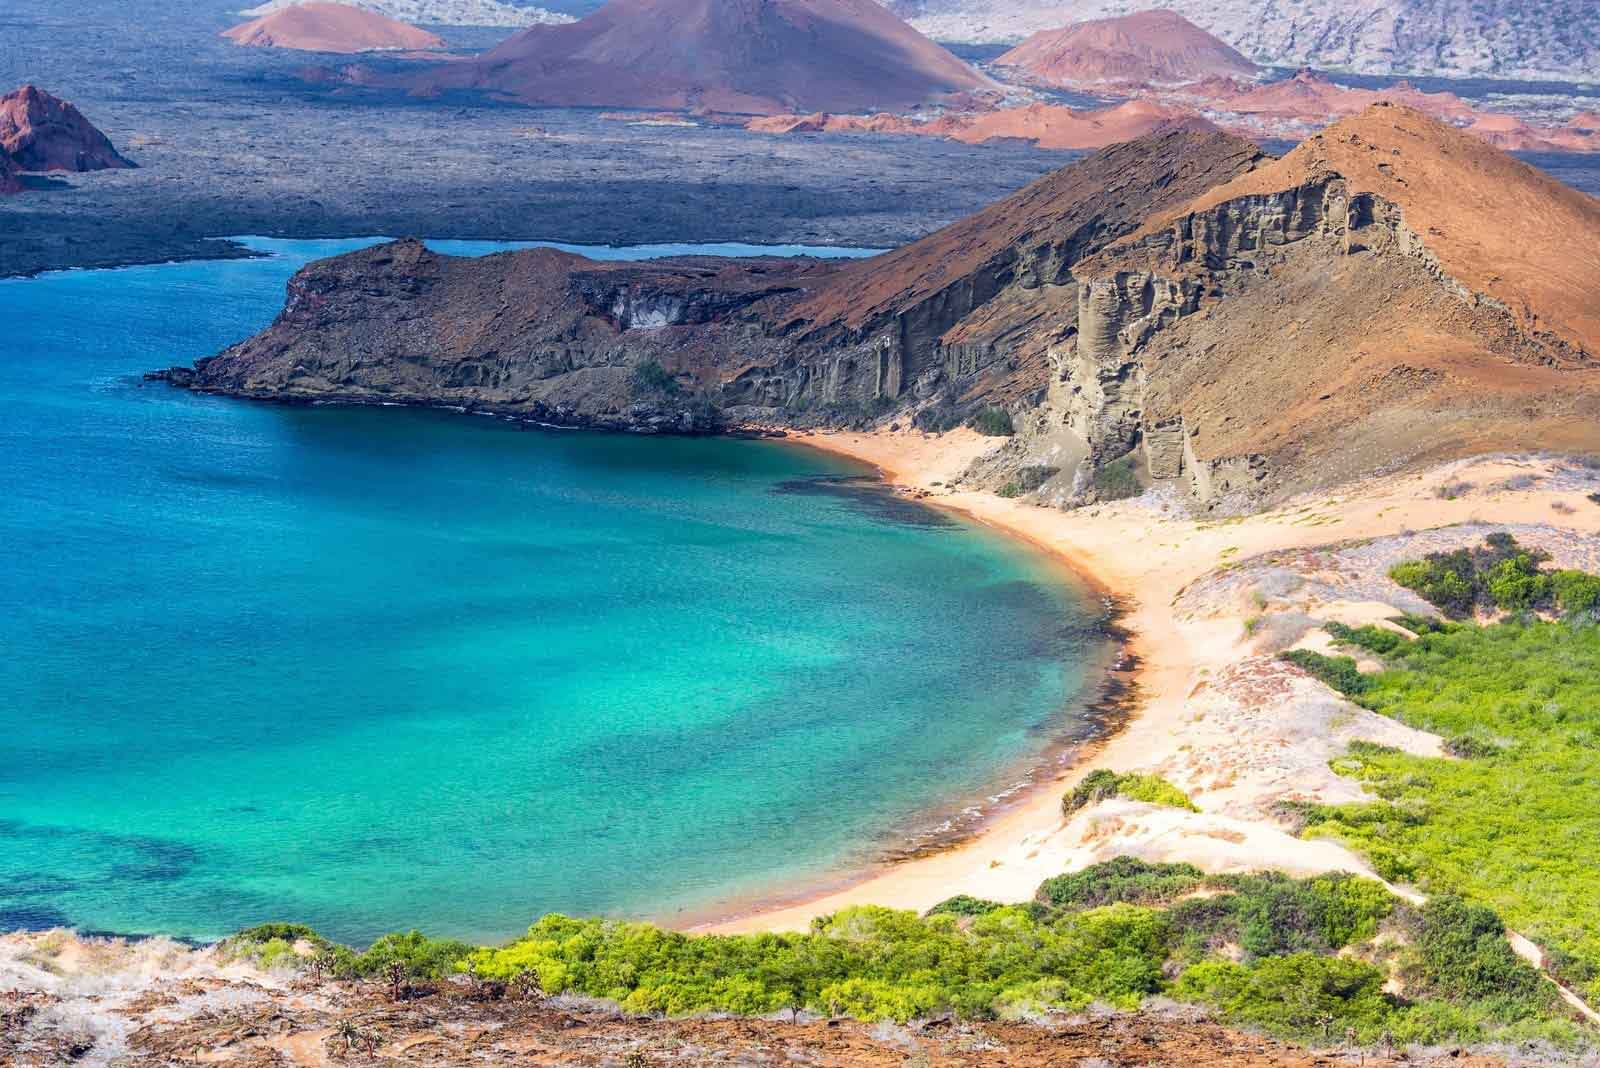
868 494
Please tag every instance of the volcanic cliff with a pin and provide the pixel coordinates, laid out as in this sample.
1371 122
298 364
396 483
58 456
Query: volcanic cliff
40 132
331 27
1180 309
1147 48
740 56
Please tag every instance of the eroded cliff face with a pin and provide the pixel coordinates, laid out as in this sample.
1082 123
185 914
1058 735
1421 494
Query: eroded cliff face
1216 354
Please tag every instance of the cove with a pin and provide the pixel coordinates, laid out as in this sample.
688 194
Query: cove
375 669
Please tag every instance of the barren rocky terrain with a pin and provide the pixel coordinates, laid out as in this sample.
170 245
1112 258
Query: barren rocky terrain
229 143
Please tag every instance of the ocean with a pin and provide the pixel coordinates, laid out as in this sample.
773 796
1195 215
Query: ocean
376 669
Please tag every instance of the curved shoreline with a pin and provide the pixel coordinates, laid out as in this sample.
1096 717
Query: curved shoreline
1149 556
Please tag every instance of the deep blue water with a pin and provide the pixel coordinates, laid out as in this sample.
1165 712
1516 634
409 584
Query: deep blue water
376 669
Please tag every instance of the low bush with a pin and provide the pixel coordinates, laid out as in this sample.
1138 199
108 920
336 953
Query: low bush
1337 672
993 422
1101 784
650 378
964 905
1499 574
1115 933
1124 880
1118 480
1373 639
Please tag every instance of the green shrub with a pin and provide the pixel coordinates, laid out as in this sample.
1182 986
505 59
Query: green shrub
964 905
1463 955
1576 592
1443 580
1337 672
1010 490
1119 479
1299 996
1500 574
421 957
1120 880
1101 784
650 378
1272 915
993 422
1378 640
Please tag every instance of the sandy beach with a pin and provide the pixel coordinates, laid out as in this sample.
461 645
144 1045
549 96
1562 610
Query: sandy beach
1218 715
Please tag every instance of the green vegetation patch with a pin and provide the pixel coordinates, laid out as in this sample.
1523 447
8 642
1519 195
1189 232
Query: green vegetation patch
994 422
1101 784
1500 574
649 378
1119 479
1306 959
1514 822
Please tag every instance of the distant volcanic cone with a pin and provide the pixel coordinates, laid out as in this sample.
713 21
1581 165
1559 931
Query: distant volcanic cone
40 132
745 56
326 27
1148 48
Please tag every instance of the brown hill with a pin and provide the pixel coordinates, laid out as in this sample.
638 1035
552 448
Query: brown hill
40 132
330 27
1147 48
742 56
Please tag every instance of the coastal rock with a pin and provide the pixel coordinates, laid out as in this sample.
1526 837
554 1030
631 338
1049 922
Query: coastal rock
40 132
10 177
316 26
1147 48
752 57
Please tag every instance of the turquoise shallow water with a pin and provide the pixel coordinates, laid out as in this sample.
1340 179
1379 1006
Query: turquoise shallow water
373 669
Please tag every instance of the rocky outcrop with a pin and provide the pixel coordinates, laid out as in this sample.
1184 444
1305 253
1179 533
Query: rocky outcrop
40 132
540 335
10 177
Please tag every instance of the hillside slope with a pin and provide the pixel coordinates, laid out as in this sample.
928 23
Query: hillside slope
742 56
1156 47
331 27
1393 291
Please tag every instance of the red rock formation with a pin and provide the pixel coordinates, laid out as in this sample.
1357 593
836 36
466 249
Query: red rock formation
1147 48
43 133
756 57
329 27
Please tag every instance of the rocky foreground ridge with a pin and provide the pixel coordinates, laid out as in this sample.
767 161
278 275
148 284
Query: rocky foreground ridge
1180 310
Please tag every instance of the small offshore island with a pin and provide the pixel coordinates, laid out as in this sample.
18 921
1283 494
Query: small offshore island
1153 620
